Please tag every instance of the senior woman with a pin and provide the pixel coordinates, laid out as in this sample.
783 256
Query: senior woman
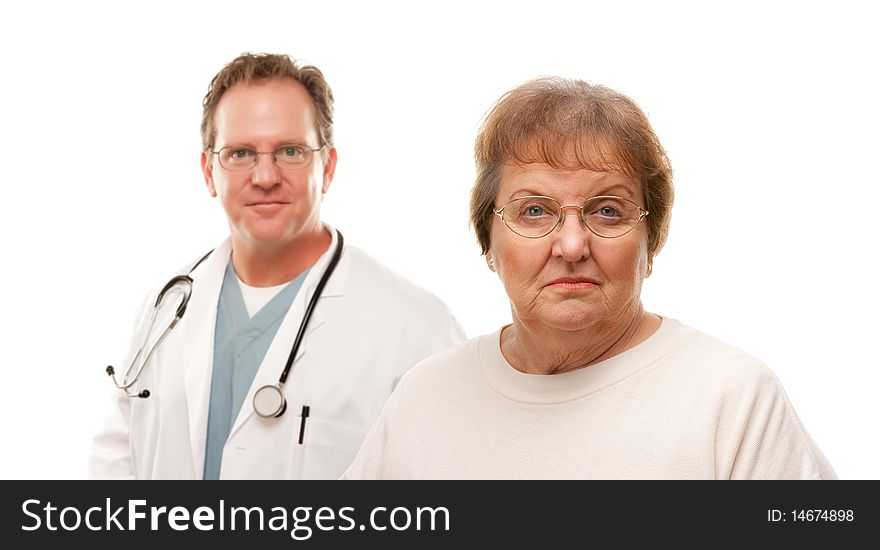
571 203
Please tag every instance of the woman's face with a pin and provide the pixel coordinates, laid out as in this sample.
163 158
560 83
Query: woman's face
570 279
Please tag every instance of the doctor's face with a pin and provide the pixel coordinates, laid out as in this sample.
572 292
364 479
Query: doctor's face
266 205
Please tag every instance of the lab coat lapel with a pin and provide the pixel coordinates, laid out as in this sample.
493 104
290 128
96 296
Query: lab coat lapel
276 357
197 348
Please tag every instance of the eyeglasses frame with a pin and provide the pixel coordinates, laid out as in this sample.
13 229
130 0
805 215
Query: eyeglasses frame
274 157
500 213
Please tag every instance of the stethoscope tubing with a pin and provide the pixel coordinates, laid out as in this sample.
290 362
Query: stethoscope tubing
187 283
311 307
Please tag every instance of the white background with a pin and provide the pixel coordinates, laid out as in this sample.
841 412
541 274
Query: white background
769 112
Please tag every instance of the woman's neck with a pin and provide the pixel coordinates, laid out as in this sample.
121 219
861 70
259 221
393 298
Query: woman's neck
535 348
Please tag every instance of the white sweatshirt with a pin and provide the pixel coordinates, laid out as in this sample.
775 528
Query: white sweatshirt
680 405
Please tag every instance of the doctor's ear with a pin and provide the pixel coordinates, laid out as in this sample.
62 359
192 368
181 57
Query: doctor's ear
490 261
329 169
208 172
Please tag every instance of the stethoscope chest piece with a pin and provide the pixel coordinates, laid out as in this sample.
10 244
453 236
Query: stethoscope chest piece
269 402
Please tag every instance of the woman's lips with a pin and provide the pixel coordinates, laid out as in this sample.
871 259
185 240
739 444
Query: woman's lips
573 283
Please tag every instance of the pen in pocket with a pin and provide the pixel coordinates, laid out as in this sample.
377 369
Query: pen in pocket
302 423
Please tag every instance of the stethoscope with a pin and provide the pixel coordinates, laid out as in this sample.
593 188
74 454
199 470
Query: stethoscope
269 401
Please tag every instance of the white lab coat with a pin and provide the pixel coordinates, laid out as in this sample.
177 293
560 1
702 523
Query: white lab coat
368 328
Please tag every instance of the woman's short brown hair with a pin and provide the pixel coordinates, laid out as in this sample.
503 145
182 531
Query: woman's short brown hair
249 68
571 125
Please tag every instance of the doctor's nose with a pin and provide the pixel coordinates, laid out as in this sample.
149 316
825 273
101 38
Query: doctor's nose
265 172
571 239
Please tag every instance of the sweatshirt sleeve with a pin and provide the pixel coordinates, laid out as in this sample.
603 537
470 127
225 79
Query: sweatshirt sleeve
372 460
761 437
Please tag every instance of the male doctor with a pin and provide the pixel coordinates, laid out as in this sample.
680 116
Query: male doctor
267 136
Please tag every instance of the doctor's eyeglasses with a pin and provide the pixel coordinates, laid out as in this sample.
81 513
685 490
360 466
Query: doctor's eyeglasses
606 216
289 158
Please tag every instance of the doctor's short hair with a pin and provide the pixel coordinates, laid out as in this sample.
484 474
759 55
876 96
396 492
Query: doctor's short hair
571 125
249 68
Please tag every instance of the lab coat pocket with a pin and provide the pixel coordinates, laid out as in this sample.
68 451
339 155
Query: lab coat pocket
329 448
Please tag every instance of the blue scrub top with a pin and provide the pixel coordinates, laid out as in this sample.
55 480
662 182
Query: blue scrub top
240 344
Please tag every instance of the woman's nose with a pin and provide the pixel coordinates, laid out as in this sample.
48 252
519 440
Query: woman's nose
571 238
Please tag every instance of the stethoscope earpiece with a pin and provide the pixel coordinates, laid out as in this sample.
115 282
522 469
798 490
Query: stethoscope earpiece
185 283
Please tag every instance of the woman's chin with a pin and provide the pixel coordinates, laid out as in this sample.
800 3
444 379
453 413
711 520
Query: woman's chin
569 318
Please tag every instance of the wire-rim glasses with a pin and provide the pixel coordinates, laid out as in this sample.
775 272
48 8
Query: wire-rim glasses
536 216
289 157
